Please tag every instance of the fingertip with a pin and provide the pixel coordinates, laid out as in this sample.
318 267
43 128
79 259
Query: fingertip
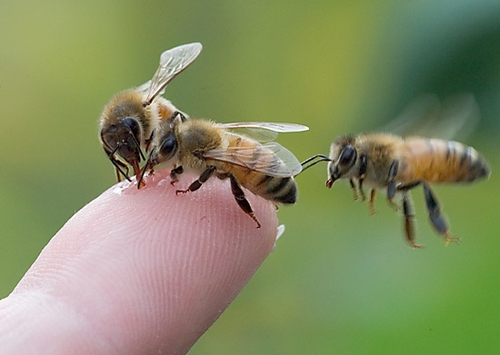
205 243
163 265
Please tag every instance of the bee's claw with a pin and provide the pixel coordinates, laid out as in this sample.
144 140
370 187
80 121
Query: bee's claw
177 192
449 239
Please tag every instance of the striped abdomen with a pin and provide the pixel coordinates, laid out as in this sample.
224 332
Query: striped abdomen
273 188
265 174
435 160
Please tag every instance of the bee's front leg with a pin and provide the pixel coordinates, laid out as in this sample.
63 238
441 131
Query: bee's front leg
362 174
354 189
174 174
195 185
391 183
371 203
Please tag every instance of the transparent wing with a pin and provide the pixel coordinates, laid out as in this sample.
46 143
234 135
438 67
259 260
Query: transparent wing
172 62
265 162
271 126
263 131
144 88
454 117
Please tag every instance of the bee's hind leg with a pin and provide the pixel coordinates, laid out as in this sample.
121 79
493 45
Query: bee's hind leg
435 216
240 198
195 185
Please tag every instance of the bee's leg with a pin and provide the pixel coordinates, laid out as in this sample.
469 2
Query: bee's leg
137 172
371 203
408 187
435 216
391 183
174 174
361 191
240 198
195 185
362 173
409 214
118 175
354 189
146 167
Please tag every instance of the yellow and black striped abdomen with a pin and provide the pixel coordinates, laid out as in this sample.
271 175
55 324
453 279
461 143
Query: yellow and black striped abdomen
265 175
277 189
435 160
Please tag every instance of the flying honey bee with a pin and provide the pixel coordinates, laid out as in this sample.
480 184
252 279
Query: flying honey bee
128 119
266 169
397 165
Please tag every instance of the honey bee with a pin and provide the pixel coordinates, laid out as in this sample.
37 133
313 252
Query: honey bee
128 119
397 165
266 169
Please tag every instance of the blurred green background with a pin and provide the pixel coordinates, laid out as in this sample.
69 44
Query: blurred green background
340 281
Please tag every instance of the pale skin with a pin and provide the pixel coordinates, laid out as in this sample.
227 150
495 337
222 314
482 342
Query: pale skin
138 271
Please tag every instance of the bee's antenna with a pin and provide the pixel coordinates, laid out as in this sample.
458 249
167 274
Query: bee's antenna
148 142
315 159
137 144
118 165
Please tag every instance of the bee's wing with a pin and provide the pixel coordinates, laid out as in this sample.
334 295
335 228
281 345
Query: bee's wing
263 131
459 116
271 126
428 116
264 162
172 62
144 88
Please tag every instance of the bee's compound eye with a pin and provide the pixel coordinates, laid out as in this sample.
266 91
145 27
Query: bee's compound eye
168 146
348 155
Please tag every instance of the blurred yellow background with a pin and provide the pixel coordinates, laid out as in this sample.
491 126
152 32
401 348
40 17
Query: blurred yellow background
340 281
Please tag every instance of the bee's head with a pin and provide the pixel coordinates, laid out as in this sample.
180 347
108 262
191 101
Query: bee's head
165 144
343 155
122 139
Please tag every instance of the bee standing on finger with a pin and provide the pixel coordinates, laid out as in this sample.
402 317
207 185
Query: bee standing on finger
128 119
216 149
397 165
